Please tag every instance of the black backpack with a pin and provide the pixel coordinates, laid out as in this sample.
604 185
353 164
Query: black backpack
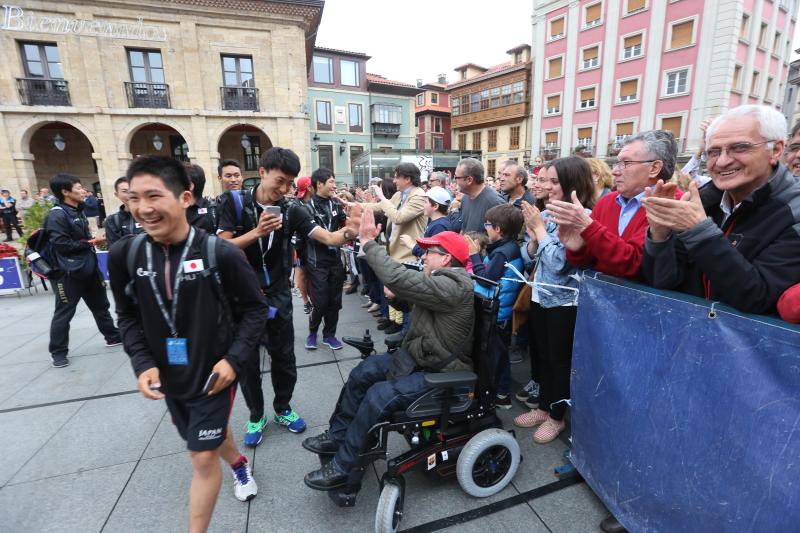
209 255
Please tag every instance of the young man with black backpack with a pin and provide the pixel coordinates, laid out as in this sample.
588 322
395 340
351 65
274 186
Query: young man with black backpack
261 221
76 275
190 314
121 223
324 268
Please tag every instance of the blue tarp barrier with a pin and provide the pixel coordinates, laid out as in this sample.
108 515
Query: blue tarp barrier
10 275
682 422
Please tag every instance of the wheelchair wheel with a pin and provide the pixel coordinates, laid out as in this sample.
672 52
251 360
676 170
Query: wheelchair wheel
390 508
488 463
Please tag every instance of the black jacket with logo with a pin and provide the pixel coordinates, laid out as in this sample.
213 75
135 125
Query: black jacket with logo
746 261
201 215
120 224
200 315
329 214
68 236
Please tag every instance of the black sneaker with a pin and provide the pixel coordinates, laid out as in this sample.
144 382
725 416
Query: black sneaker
502 402
113 342
329 477
59 361
307 308
532 402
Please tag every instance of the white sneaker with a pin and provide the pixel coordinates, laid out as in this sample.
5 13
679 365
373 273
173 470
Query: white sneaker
244 486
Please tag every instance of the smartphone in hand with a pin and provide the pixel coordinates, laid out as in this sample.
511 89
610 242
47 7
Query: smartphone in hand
212 379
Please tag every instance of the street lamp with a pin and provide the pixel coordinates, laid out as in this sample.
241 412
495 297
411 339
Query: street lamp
315 147
246 142
342 146
58 142
158 144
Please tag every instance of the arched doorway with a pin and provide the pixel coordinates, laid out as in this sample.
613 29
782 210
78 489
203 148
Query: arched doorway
159 139
58 147
244 143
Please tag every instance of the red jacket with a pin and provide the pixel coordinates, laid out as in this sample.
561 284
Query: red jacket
789 305
605 250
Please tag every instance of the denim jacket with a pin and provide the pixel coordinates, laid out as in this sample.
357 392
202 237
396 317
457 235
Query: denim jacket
552 267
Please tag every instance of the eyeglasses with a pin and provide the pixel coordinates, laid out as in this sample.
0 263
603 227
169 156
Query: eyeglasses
488 225
436 250
626 164
460 177
734 149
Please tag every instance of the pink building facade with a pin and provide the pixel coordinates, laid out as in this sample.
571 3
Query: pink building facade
606 69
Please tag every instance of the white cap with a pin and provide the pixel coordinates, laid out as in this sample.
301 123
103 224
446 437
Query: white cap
438 195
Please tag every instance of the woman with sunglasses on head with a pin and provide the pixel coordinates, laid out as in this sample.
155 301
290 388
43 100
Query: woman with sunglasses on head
554 298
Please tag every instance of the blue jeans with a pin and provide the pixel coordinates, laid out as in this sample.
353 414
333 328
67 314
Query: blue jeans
369 397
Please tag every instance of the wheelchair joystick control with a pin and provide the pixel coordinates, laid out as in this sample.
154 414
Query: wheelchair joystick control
363 344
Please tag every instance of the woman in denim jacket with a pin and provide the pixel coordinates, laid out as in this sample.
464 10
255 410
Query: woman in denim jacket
555 297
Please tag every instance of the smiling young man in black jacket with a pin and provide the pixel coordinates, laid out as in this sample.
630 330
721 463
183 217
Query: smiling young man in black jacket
72 248
183 321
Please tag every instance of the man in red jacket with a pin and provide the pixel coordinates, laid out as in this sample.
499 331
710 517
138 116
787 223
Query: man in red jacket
611 240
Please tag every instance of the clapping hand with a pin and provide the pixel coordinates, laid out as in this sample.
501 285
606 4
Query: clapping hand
667 214
571 214
367 230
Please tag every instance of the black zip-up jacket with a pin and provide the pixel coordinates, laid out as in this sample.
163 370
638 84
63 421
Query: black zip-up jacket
120 224
201 215
747 261
200 317
329 214
68 234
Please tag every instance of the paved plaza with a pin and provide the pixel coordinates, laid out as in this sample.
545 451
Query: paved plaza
83 452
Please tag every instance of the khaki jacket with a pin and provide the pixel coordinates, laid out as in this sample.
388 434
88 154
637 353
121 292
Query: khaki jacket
408 220
442 320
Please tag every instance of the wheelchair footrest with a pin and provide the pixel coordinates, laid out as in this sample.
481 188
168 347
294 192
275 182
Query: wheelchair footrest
343 498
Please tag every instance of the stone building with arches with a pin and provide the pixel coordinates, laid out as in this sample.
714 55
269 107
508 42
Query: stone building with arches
89 85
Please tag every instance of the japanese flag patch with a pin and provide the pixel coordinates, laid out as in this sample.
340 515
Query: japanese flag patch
193 265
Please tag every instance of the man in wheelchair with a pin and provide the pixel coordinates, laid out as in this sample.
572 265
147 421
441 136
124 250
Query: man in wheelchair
439 339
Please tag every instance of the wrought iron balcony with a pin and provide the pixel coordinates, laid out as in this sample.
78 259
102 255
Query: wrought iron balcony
39 91
241 98
147 94
389 130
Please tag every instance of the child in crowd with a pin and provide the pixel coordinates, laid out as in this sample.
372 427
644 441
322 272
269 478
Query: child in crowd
436 210
554 305
503 224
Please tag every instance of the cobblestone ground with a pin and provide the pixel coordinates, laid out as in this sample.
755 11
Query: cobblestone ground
82 451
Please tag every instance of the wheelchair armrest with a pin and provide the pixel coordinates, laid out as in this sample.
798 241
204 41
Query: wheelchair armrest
442 380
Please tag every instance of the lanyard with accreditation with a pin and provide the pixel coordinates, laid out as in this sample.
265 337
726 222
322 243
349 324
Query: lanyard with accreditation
177 353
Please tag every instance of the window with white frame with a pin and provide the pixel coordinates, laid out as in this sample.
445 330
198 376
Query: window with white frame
557 28
681 34
592 15
555 67
629 90
349 72
435 98
587 98
590 57
585 136
677 82
744 27
623 131
551 139
553 104
421 99
632 46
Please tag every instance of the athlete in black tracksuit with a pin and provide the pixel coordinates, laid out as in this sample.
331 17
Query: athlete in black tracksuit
270 259
73 253
120 224
325 272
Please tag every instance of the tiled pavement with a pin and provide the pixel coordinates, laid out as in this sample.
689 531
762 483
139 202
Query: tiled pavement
81 451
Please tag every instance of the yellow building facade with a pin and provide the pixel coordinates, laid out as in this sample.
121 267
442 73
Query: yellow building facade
86 86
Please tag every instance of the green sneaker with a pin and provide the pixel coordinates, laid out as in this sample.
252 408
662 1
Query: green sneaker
291 420
255 432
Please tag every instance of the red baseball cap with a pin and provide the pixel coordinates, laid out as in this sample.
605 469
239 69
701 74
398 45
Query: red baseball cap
302 186
451 241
